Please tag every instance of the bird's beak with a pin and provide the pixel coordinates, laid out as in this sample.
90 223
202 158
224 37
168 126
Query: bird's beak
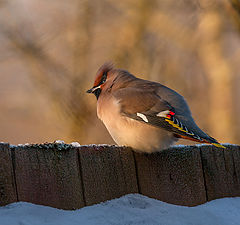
93 89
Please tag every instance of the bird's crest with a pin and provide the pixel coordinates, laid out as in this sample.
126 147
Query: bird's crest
105 68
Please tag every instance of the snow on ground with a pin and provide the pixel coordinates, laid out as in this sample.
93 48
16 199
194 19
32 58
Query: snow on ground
131 209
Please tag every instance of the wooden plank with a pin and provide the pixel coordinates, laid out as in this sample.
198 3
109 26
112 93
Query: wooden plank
236 169
49 175
108 172
232 167
173 175
222 171
7 182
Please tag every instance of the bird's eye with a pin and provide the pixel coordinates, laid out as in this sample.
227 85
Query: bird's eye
104 78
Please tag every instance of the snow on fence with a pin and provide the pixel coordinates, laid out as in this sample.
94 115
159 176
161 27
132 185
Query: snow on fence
68 177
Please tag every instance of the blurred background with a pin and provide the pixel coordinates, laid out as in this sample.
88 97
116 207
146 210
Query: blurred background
50 52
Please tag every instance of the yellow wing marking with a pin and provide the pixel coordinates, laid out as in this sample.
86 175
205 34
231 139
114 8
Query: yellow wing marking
181 129
176 126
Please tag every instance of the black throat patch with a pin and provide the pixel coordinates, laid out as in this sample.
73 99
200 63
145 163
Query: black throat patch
97 92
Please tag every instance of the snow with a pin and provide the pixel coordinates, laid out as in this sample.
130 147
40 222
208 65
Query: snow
59 142
224 144
178 146
101 145
229 144
131 209
75 144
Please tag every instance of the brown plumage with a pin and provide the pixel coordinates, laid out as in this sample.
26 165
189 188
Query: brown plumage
144 115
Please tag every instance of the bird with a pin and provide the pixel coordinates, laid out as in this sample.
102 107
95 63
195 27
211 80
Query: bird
142 114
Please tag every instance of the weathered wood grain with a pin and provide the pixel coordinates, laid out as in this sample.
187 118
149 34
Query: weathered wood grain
107 172
221 171
49 175
7 183
173 175
66 177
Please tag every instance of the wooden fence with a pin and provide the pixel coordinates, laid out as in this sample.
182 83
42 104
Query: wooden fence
68 177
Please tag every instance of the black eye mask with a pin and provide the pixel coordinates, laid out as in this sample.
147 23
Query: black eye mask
96 90
104 78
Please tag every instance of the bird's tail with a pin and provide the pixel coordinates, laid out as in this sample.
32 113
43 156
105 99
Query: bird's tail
208 140
213 141
216 144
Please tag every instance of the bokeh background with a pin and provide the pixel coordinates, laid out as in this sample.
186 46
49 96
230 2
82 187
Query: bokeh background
51 50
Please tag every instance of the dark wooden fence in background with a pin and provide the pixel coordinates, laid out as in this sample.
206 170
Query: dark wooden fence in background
68 177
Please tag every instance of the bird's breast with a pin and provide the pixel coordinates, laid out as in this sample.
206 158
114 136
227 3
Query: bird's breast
129 132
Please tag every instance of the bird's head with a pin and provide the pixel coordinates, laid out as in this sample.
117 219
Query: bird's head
103 80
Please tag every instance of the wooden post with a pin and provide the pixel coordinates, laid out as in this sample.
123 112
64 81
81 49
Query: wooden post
173 175
49 175
108 172
221 171
7 183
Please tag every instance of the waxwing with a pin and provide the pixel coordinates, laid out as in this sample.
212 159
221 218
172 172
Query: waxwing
142 114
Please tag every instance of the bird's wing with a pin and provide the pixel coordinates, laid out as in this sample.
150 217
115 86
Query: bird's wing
148 107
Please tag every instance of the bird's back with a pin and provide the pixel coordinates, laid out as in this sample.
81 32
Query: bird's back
176 100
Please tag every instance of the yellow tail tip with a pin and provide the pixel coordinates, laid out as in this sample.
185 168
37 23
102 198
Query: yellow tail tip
218 145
